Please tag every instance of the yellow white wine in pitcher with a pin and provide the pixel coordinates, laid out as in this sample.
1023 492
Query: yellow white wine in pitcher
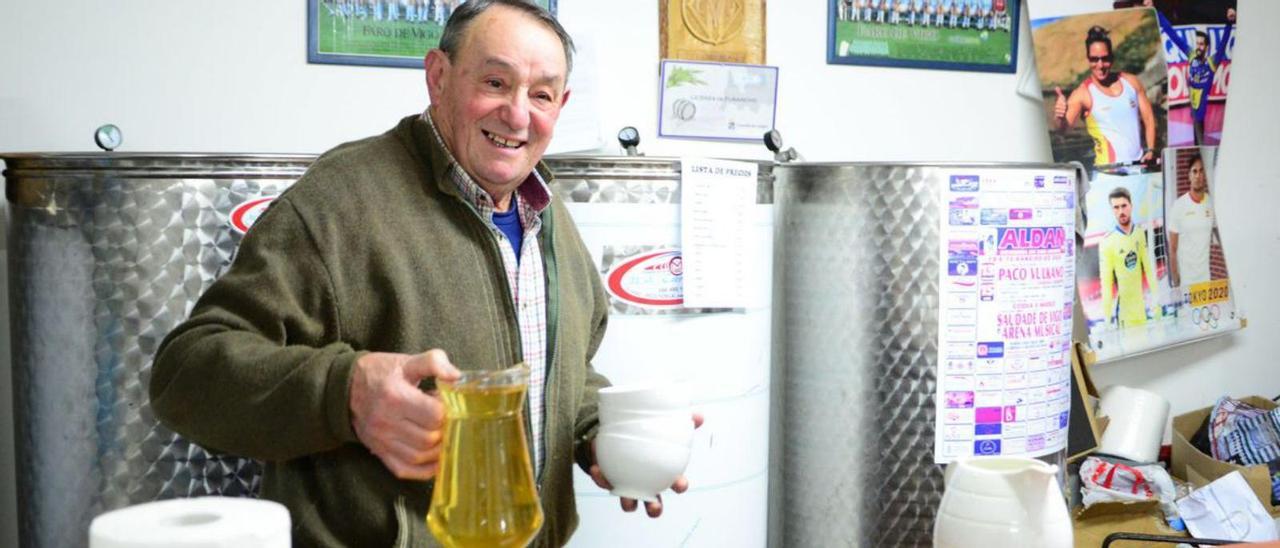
484 494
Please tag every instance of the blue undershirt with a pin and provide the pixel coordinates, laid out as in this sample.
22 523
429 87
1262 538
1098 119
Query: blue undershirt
509 223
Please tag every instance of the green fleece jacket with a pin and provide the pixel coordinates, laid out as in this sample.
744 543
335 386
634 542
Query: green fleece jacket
372 250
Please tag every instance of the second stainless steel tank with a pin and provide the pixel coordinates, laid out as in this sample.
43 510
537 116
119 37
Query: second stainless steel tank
628 211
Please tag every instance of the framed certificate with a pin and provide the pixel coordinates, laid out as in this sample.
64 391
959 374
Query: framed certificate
718 101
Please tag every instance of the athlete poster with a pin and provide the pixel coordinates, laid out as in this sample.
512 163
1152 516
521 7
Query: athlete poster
1146 273
1007 285
1204 304
1197 39
1103 83
978 35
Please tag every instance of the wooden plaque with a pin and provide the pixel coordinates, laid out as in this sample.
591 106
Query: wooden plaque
722 31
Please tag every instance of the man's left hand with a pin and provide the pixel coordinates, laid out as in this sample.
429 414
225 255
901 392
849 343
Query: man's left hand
654 509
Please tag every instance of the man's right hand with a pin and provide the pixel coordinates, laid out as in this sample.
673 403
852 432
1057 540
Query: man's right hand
1060 106
396 420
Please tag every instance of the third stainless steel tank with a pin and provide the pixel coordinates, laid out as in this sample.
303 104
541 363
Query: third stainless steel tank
857 270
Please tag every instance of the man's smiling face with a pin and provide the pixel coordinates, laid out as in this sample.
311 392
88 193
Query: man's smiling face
496 102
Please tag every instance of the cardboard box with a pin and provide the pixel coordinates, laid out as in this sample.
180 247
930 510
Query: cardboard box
1199 469
1084 433
1092 525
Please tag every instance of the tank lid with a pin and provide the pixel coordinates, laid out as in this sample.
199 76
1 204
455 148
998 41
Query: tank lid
154 164
593 166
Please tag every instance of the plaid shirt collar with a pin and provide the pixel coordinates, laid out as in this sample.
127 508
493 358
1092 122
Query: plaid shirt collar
534 194
525 279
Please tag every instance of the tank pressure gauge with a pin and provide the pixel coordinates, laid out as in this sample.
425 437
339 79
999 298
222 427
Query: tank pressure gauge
108 137
773 141
629 137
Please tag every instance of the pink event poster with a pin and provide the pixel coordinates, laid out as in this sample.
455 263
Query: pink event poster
1007 269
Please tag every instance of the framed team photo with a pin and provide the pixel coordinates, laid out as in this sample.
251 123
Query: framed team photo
383 33
974 35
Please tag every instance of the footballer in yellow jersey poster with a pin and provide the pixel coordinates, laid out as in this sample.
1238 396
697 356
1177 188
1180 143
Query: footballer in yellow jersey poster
1145 275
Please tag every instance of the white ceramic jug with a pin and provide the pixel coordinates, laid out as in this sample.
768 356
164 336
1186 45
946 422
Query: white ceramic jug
1002 502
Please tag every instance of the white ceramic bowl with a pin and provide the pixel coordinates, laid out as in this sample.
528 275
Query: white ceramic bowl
609 415
663 397
639 468
675 429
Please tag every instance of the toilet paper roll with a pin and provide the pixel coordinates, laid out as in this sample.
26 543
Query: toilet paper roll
205 522
1137 421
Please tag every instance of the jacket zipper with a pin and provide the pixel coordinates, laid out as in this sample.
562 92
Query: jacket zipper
553 325
553 332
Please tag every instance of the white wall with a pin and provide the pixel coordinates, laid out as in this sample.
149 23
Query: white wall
232 76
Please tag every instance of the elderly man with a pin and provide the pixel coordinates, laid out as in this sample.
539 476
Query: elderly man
393 262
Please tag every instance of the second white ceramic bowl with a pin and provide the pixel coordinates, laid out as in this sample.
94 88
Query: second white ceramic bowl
673 429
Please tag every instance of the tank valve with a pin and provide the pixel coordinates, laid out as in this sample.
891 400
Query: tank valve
773 140
108 137
629 137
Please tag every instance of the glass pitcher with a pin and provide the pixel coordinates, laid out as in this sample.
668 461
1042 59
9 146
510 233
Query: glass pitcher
484 492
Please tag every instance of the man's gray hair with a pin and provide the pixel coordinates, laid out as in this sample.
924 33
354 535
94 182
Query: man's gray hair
455 30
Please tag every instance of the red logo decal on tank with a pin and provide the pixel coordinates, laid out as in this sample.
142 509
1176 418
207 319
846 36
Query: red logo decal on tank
651 279
244 215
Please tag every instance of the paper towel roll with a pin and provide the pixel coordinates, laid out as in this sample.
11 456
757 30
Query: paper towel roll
205 522
1137 421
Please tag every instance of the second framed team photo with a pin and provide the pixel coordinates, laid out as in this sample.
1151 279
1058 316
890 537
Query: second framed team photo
974 35
383 33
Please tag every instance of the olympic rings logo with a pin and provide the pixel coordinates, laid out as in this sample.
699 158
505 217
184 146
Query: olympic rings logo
1206 317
